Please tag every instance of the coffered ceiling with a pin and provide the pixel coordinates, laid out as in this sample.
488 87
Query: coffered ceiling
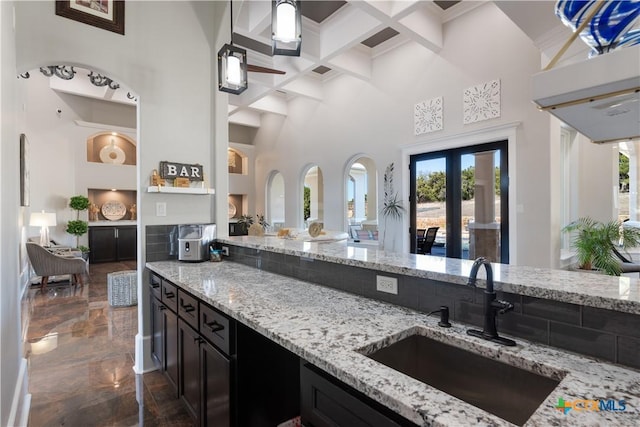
344 37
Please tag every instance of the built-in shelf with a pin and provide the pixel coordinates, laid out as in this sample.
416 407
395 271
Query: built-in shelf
180 190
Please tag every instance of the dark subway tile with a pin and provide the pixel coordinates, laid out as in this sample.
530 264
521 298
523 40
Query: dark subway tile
527 327
457 292
470 313
582 340
611 321
629 351
552 310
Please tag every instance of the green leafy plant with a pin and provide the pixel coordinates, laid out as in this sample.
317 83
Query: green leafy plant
245 221
78 227
595 242
391 206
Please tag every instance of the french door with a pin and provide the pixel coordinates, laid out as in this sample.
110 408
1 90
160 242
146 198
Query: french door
465 193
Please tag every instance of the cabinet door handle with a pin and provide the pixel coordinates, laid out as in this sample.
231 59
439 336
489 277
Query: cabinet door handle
169 294
188 308
155 285
214 326
198 340
162 307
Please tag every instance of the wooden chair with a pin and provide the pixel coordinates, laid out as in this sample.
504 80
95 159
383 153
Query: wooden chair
429 239
46 264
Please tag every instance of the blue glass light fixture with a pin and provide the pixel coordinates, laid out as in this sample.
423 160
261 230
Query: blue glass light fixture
614 25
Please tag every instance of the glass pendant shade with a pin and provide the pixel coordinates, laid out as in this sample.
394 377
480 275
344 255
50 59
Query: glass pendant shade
232 69
286 27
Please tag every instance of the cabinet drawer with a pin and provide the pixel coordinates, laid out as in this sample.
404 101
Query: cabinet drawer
214 326
155 283
188 309
170 295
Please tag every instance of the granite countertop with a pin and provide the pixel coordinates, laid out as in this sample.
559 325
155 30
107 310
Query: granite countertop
594 290
332 329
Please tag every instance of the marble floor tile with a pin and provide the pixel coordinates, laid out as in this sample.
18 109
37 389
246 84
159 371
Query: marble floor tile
80 355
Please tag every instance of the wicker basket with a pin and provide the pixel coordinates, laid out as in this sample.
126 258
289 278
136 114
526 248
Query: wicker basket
122 288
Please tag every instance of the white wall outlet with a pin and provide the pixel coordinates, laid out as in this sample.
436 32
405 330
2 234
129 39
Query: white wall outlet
161 209
225 250
387 284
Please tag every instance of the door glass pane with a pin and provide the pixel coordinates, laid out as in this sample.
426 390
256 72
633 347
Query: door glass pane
431 201
480 191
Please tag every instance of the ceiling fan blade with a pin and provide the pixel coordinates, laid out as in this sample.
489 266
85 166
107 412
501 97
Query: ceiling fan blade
258 69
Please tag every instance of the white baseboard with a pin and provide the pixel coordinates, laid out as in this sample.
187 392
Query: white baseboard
144 362
19 415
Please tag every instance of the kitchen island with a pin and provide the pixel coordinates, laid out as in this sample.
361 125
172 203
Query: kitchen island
334 331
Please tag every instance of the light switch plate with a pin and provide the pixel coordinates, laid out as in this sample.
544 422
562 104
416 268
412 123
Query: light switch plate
161 209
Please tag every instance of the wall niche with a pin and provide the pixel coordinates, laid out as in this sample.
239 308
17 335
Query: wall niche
111 205
111 148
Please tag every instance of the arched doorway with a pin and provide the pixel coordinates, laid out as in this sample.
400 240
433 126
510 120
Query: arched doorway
361 206
275 192
312 197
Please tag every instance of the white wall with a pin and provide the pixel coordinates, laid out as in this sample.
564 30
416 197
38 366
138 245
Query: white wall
377 118
174 78
13 372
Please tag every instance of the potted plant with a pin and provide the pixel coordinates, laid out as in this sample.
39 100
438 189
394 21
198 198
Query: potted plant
392 206
79 227
244 222
595 243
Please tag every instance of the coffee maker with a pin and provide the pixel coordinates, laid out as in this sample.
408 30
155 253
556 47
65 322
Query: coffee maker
194 241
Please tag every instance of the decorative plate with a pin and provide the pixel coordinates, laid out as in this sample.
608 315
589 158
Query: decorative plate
232 210
112 154
113 210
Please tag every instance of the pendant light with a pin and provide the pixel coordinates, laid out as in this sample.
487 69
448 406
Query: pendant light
286 27
232 65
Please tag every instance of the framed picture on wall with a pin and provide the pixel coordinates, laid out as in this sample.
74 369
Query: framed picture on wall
106 14
24 170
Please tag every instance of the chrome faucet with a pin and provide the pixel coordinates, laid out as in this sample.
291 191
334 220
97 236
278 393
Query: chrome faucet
492 306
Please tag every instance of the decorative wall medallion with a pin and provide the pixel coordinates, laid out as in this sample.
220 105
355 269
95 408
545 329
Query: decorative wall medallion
427 116
481 102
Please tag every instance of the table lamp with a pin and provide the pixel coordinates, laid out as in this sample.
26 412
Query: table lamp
44 220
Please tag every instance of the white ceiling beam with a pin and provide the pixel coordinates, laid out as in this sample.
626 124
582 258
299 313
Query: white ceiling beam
424 28
383 10
345 29
305 86
271 104
354 62
246 118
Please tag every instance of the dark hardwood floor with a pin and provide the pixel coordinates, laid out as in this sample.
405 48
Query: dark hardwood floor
80 355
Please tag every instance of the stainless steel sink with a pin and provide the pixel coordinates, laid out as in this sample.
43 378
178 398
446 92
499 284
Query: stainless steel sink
506 391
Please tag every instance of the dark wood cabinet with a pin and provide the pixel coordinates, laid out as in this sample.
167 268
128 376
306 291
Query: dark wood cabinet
267 380
328 402
193 344
112 243
226 374
164 329
189 347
